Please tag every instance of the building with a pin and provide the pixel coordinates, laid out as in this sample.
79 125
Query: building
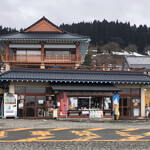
144 63
138 62
43 68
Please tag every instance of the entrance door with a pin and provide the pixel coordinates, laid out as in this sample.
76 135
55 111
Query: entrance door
38 107
30 106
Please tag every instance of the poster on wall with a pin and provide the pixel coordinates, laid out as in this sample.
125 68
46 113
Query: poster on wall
96 114
10 105
107 103
73 103
116 104
64 103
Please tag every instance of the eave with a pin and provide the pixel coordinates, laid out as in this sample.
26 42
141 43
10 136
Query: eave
46 40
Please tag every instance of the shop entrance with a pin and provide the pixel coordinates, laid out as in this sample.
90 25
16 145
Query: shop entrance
103 104
38 106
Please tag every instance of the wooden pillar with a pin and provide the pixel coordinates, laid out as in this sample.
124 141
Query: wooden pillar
42 52
7 51
142 101
77 51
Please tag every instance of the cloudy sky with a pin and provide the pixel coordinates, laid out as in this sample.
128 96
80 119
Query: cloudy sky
22 13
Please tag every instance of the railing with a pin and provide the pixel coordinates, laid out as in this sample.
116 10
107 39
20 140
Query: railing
52 58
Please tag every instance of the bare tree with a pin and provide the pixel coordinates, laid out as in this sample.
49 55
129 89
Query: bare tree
147 49
111 46
131 48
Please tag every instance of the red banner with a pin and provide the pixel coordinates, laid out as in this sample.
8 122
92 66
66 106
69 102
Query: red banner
64 103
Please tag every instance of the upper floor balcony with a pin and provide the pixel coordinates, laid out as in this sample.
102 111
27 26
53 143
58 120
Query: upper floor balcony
34 58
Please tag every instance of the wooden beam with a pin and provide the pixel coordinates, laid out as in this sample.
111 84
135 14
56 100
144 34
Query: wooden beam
42 52
77 51
7 51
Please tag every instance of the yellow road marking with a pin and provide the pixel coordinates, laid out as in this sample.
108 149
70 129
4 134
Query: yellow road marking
131 129
41 133
73 140
3 134
147 134
86 135
128 135
96 129
58 129
123 133
19 129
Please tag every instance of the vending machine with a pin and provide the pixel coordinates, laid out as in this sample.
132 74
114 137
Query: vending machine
10 105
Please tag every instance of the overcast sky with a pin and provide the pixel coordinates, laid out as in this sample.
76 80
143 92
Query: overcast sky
23 13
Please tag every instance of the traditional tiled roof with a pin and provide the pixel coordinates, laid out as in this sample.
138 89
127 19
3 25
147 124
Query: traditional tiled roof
43 36
138 61
73 76
84 87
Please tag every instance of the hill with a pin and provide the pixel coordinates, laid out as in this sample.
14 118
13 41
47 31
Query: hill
104 32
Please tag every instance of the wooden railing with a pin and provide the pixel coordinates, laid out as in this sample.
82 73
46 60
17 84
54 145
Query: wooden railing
53 58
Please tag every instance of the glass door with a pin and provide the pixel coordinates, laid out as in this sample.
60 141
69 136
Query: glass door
30 106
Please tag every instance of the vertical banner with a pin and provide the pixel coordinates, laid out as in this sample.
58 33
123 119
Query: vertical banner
116 105
64 103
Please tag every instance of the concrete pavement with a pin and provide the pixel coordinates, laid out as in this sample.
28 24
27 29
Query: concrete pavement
49 123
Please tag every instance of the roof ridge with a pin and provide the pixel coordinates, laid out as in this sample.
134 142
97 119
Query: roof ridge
43 18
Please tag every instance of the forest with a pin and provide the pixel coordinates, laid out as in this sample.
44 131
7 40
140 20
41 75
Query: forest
122 35
104 32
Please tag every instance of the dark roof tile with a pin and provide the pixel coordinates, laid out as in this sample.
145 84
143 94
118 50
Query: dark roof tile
75 76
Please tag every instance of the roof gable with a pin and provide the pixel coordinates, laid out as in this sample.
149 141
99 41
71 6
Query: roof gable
43 25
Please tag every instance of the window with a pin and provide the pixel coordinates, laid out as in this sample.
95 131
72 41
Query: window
40 100
125 91
83 103
136 91
126 101
28 52
73 103
57 52
30 100
136 101
19 89
35 89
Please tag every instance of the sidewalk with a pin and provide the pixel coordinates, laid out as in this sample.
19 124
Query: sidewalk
49 123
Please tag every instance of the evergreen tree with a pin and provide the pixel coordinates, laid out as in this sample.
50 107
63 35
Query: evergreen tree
104 32
88 60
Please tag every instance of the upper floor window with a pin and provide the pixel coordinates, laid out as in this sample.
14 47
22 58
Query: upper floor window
57 53
28 52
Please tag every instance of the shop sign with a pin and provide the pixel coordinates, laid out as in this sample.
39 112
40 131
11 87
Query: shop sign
116 104
96 114
10 105
64 104
41 102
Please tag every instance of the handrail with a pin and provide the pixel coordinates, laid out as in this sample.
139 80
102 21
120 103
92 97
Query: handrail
60 58
43 58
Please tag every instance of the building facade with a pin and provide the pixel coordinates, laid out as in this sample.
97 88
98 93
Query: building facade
43 68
